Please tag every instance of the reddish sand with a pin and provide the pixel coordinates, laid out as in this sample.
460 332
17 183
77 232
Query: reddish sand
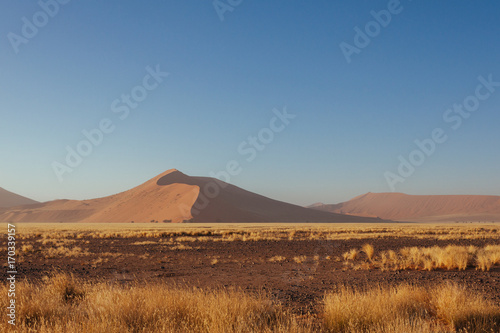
399 206
9 199
175 197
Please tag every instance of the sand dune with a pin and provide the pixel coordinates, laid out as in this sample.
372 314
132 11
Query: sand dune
399 206
143 203
9 199
233 204
175 197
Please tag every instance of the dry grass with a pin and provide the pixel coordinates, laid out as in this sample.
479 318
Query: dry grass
66 232
369 251
56 241
99 261
488 257
145 243
431 258
63 304
444 308
277 259
351 255
299 259
27 248
62 251
186 239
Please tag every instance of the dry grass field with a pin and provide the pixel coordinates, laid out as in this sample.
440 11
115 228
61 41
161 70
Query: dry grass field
260 231
257 278
426 258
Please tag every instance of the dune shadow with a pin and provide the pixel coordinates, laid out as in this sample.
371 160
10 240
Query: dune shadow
176 177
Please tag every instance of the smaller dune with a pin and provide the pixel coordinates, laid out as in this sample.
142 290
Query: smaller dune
420 208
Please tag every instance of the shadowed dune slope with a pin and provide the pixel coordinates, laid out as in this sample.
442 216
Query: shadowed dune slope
221 202
9 199
399 206
175 197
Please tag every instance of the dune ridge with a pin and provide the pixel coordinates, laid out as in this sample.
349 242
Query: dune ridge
175 197
421 208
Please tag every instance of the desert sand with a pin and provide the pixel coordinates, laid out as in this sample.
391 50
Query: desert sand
9 199
175 197
420 208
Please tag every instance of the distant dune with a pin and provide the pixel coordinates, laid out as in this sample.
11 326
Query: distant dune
175 197
9 199
421 208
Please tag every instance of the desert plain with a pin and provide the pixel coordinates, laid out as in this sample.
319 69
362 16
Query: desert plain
294 276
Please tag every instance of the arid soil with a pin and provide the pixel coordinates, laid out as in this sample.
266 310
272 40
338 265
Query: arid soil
248 265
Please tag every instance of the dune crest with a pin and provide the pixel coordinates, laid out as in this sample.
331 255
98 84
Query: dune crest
175 197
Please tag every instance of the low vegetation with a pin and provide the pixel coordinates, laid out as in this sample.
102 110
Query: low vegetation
249 232
410 309
63 251
299 259
426 258
62 303
277 259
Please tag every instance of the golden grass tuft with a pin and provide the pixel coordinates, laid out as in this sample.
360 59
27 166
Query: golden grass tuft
277 259
299 259
351 255
369 251
405 308
27 248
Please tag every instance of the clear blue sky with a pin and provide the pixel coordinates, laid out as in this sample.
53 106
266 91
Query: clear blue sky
352 121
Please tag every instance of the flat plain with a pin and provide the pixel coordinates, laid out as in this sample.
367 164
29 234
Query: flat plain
292 266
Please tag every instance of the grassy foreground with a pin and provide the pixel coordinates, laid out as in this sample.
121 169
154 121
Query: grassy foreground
410 309
63 304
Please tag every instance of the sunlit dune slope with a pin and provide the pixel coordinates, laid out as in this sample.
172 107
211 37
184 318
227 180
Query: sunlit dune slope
175 197
399 206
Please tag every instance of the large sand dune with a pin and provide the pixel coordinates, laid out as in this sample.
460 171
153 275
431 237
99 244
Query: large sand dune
175 197
9 199
399 206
